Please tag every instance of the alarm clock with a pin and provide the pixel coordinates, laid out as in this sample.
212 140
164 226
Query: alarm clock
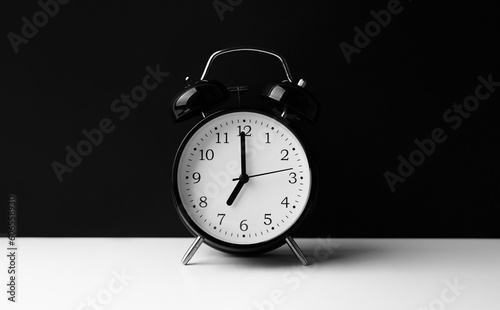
243 179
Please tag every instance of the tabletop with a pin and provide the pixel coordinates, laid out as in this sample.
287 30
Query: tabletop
146 273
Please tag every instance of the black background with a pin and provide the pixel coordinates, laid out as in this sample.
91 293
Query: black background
394 91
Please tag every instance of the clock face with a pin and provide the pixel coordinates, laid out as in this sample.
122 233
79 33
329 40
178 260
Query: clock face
211 192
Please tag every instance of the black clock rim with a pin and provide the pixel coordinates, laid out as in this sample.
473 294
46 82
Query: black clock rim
256 248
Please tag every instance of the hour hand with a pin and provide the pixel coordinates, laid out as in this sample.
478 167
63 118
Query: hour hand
235 192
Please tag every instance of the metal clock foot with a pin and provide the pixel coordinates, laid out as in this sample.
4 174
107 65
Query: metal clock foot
192 249
296 250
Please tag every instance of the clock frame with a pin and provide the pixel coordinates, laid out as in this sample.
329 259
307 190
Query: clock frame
253 248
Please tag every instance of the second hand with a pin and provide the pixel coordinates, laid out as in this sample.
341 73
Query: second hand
265 173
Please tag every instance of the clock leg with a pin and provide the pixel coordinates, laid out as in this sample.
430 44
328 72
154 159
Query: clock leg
296 250
192 249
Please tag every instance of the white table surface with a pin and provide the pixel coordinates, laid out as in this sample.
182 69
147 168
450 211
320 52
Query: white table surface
146 273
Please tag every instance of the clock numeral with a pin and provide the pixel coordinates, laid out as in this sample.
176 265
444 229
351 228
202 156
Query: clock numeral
196 177
285 157
267 137
222 217
267 219
203 202
247 129
224 138
209 154
293 175
285 202
243 225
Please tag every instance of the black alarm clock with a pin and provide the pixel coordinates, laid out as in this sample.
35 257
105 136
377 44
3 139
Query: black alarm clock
243 180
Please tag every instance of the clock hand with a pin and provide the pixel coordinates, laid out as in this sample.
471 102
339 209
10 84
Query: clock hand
243 176
237 189
243 154
261 174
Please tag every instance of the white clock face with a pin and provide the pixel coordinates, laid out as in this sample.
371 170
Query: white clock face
214 194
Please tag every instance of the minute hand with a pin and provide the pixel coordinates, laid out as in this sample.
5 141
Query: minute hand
261 174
